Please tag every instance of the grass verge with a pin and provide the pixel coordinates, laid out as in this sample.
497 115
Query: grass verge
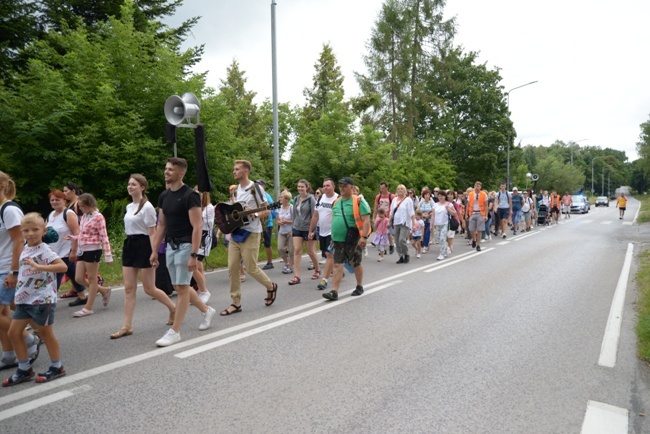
643 284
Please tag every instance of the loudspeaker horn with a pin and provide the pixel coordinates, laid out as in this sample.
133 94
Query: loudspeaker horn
535 177
179 108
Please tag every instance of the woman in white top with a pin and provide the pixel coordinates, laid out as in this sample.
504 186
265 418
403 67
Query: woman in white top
65 222
140 229
402 216
207 217
440 218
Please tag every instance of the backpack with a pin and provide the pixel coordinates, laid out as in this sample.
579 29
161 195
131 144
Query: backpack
5 205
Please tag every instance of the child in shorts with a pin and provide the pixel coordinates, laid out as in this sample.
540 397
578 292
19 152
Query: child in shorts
35 301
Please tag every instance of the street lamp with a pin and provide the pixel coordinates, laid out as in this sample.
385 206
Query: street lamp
592 172
508 162
274 79
574 142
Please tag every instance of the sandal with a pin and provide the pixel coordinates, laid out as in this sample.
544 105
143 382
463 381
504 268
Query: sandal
294 281
122 332
227 312
70 294
316 275
270 299
170 319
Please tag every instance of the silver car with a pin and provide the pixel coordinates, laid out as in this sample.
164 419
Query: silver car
580 204
602 200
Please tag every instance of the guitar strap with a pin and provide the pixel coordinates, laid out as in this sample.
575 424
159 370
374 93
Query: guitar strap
257 191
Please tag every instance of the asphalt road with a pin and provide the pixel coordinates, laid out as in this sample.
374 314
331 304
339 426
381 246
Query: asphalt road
503 341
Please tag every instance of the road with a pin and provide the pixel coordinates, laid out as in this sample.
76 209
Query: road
503 341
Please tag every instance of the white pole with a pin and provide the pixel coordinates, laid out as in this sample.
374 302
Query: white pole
276 144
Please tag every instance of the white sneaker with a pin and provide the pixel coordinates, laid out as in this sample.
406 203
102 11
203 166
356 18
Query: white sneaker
170 338
205 296
365 251
322 261
424 250
207 318
418 256
440 257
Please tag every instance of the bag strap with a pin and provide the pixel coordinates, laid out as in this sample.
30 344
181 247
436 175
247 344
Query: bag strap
5 205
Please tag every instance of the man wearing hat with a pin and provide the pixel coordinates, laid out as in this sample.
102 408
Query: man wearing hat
346 247
267 233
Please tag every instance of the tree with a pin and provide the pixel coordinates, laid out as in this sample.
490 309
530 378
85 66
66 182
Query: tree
643 147
18 28
408 34
92 109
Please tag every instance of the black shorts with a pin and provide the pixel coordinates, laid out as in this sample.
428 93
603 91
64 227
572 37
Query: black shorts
136 251
267 233
91 256
555 210
324 243
346 252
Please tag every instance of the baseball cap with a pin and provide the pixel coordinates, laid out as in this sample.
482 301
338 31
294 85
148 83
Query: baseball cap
346 180
515 189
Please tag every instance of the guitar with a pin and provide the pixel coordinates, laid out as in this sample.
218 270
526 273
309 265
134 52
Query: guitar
230 216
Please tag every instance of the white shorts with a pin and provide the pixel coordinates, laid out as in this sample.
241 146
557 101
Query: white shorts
566 209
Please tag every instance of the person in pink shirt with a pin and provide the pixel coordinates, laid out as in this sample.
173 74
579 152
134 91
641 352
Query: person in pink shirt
88 244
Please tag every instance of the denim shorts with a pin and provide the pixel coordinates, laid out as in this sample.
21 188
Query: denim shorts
42 314
6 294
302 234
503 213
177 263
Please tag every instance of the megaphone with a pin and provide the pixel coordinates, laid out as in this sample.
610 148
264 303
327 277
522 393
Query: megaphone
535 177
178 108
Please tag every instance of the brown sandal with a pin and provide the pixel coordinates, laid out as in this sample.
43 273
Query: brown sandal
294 281
122 332
170 319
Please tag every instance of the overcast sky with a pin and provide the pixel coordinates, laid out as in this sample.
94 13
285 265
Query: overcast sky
590 57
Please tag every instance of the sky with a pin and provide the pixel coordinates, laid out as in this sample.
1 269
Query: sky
587 56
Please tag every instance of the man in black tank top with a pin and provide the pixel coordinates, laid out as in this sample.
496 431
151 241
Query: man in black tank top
179 219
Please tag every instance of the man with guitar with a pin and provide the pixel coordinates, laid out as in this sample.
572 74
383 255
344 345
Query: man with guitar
245 241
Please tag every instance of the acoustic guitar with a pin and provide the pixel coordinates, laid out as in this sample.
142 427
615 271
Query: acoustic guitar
230 216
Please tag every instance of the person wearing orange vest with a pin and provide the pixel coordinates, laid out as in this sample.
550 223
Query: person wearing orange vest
476 213
348 213
555 205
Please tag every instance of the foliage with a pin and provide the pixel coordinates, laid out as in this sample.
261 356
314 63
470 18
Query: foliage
18 28
89 106
643 303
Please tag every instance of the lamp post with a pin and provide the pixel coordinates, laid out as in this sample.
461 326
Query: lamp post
274 78
574 142
592 173
508 156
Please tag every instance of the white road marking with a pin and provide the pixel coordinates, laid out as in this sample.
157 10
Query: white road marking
40 402
248 333
457 260
602 418
526 236
586 222
609 347
606 222
628 223
503 243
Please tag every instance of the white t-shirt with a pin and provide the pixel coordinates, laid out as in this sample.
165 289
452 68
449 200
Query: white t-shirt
36 287
324 209
139 224
402 211
287 215
207 216
245 197
60 225
441 214
12 216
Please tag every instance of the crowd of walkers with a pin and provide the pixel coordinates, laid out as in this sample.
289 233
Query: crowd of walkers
165 246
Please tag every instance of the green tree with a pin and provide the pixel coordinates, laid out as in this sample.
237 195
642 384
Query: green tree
643 147
559 176
18 28
92 112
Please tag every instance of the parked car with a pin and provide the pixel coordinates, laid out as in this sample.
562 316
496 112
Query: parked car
602 200
580 204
